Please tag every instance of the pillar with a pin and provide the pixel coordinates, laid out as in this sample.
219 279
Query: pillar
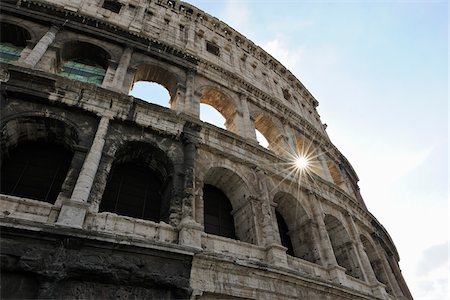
390 274
248 128
122 68
73 211
190 231
38 51
336 272
188 104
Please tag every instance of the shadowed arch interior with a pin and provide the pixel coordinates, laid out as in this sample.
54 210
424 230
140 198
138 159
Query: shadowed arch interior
13 39
342 246
157 75
236 191
376 263
269 129
223 104
140 183
218 218
36 155
299 227
84 62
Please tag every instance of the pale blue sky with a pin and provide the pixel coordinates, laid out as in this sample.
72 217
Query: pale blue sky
379 70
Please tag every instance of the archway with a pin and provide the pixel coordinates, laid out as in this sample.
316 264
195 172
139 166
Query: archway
36 156
13 39
223 104
269 133
84 62
139 184
154 84
375 262
236 192
211 115
299 227
342 246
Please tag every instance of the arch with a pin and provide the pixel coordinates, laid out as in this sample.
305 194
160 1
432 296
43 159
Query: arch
271 130
84 61
140 183
236 191
283 230
36 154
299 226
342 246
13 40
35 170
223 103
217 212
159 75
375 262
19 129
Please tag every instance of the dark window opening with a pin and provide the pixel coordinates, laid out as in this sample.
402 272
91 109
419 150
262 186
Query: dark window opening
212 48
35 170
134 191
113 6
84 62
284 236
12 41
217 207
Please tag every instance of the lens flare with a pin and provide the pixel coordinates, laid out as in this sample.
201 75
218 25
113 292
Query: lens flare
301 162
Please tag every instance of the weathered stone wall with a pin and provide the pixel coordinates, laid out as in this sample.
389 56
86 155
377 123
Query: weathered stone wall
165 42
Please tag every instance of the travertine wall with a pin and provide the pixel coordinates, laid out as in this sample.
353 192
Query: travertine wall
166 42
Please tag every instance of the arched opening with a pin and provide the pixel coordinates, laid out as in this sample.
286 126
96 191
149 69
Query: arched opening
36 153
269 134
298 227
13 39
217 214
84 62
261 139
284 235
223 104
139 184
151 92
230 186
35 170
210 115
375 262
342 246
155 84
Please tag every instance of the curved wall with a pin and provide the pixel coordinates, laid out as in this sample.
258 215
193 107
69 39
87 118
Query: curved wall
340 249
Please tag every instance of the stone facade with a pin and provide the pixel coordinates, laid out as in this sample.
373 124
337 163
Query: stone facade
74 247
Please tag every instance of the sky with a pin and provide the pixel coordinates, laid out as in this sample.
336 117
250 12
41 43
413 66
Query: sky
379 70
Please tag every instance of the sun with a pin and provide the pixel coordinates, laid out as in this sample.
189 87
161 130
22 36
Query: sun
301 162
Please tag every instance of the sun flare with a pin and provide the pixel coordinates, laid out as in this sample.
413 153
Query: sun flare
301 162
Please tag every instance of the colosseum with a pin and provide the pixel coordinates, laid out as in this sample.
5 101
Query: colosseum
107 196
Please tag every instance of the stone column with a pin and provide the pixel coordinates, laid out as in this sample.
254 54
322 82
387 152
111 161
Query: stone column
337 273
190 231
188 105
248 128
73 211
389 272
38 51
377 288
121 70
